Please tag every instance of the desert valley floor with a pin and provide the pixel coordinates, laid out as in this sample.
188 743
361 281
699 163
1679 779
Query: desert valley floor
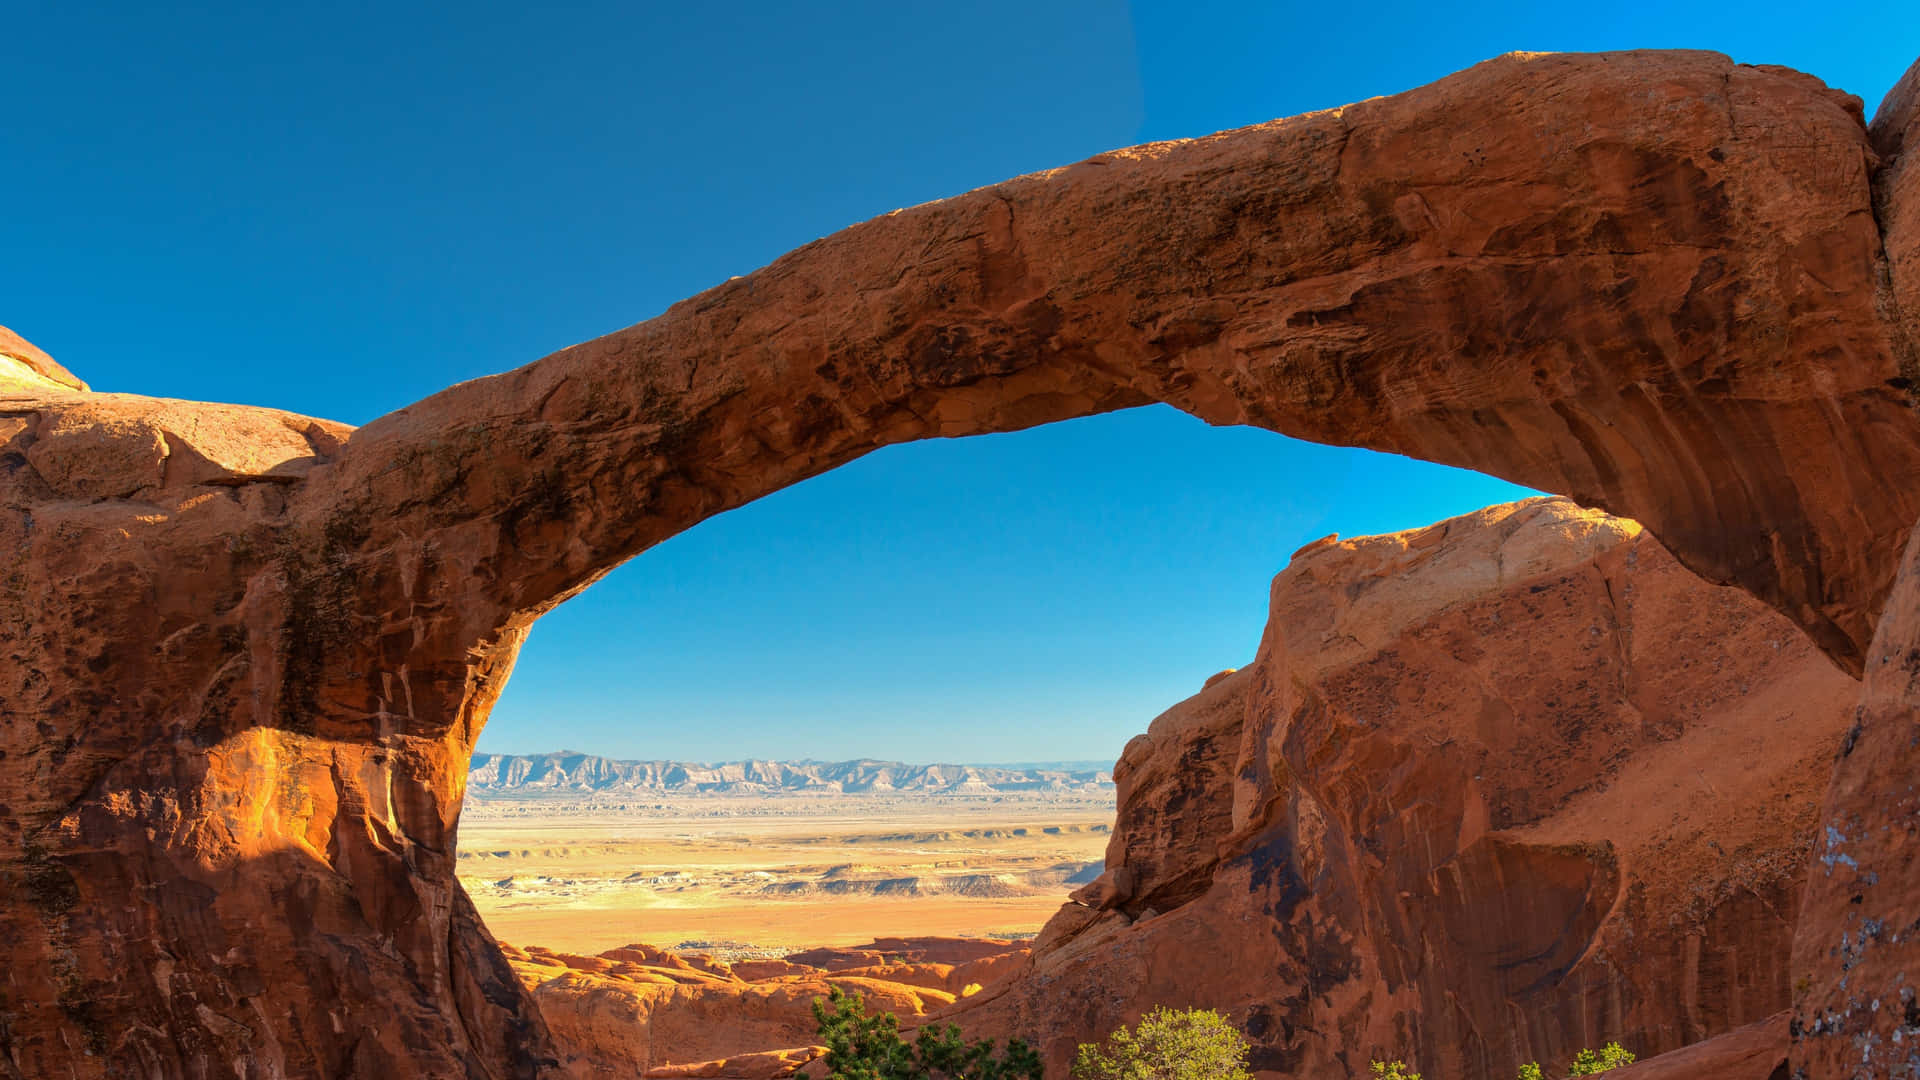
749 875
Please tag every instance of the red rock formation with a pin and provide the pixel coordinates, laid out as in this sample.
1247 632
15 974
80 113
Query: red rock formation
1895 136
640 1010
1646 280
1856 953
244 654
1492 791
1857 947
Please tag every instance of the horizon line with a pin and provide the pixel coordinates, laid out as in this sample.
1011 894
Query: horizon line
1032 764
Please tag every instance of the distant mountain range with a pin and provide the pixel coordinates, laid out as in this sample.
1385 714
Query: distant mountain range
565 772
1099 765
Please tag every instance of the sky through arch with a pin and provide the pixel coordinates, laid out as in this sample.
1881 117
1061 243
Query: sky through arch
1038 595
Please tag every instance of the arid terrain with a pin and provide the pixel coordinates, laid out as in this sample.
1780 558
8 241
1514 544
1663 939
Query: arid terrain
764 875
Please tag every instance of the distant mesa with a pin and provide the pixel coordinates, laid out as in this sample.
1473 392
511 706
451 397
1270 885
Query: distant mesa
565 772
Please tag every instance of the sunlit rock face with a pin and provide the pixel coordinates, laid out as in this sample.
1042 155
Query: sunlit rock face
244 654
1491 791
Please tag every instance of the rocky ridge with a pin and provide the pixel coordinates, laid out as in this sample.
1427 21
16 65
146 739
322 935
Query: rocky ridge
568 773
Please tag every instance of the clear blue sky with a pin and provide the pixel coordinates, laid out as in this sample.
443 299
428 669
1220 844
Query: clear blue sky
337 209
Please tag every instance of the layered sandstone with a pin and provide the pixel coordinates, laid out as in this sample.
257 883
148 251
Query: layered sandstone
1491 791
244 654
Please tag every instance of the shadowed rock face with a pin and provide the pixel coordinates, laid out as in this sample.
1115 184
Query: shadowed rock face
1491 791
1858 946
244 654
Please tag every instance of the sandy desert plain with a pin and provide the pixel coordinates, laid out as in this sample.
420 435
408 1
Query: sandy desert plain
743 876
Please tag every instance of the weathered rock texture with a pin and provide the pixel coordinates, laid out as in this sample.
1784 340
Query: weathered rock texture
1857 951
244 654
1895 136
638 1010
1492 791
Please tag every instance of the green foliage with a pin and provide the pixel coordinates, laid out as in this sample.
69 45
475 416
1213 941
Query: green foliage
1168 1044
1588 1063
863 1047
1394 1070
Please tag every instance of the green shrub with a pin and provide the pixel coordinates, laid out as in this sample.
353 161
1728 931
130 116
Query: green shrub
863 1047
1168 1044
1586 1062
1394 1070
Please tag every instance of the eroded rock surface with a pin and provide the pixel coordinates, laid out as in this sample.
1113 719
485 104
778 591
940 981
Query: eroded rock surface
637 1010
1857 950
1492 791
244 654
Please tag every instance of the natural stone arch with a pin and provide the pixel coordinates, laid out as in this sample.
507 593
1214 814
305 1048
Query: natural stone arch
250 652
1648 281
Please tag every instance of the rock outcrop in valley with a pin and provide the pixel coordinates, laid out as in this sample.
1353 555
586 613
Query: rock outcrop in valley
639 1011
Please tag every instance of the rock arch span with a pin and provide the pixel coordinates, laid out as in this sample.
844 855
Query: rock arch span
244 654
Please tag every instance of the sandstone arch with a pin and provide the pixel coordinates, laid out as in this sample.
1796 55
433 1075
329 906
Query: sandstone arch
243 654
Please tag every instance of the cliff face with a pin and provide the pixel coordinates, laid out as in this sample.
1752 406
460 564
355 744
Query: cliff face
1491 791
1859 937
244 655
